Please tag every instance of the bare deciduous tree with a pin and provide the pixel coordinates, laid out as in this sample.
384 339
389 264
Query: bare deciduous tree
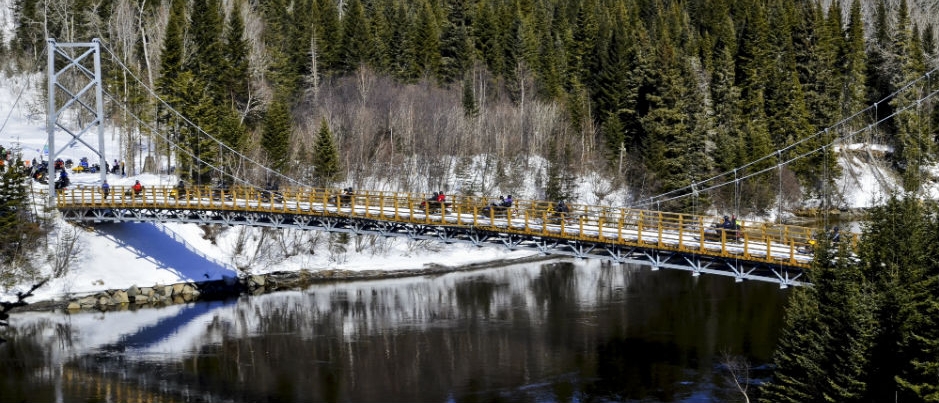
739 372
66 250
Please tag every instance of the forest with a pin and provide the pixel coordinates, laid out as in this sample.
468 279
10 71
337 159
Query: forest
655 96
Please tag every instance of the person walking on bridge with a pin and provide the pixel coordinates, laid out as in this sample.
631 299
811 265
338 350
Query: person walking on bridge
105 189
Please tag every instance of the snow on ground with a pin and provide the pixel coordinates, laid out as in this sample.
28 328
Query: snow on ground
865 179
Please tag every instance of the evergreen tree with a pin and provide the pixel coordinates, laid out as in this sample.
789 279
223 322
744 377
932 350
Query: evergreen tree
282 48
382 30
205 57
823 75
19 231
672 149
425 43
197 155
913 145
755 69
798 354
456 46
930 48
829 329
855 64
470 107
236 78
583 43
624 69
326 165
355 40
921 342
879 67
725 96
275 139
171 59
615 139
327 31
895 255
28 33
560 183
487 33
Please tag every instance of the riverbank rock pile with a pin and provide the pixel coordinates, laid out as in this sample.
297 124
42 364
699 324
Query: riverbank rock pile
156 295
230 287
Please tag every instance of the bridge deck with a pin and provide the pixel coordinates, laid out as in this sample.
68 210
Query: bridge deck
755 242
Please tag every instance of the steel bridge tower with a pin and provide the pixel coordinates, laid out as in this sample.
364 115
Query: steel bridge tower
75 100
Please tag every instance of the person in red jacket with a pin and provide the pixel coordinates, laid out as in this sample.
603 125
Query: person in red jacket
137 188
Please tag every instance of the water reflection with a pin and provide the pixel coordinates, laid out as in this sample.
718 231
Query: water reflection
564 331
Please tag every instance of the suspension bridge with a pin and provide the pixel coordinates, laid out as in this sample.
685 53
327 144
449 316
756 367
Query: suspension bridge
696 243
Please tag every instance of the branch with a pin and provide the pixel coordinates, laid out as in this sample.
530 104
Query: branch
20 301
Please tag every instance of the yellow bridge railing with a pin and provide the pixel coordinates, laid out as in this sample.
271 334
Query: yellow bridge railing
694 234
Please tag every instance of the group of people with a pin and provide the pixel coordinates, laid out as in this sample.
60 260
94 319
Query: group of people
504 203
438 197
731 226
136 189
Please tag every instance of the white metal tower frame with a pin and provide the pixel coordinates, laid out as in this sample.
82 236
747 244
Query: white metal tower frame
74 100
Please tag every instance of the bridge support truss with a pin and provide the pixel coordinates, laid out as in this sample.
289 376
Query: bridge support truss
696 264
75 99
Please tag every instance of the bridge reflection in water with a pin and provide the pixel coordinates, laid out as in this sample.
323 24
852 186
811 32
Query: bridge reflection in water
757 251
563 331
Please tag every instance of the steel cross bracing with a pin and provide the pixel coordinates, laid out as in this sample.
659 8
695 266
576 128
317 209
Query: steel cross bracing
757 251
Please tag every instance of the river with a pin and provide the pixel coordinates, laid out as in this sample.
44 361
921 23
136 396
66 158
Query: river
558 331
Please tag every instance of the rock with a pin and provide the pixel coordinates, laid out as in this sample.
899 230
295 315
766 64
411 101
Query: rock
73 306
256 281
178 289
133 291
120 297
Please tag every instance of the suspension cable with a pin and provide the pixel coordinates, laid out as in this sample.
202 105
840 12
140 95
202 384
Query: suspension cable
222 144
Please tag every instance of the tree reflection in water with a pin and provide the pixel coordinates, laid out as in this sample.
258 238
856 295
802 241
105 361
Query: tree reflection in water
562 331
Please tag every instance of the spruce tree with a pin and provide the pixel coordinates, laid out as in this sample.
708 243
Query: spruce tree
424 40
354 50
275 138
913 144
236 78
381 55
470 107
205 56
455 42
486 30
855 64
197 154
583 42
326 165
560 183
19 231
725 96
755 69
879 63
896 262
917 379
327 31
822 354
171 59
